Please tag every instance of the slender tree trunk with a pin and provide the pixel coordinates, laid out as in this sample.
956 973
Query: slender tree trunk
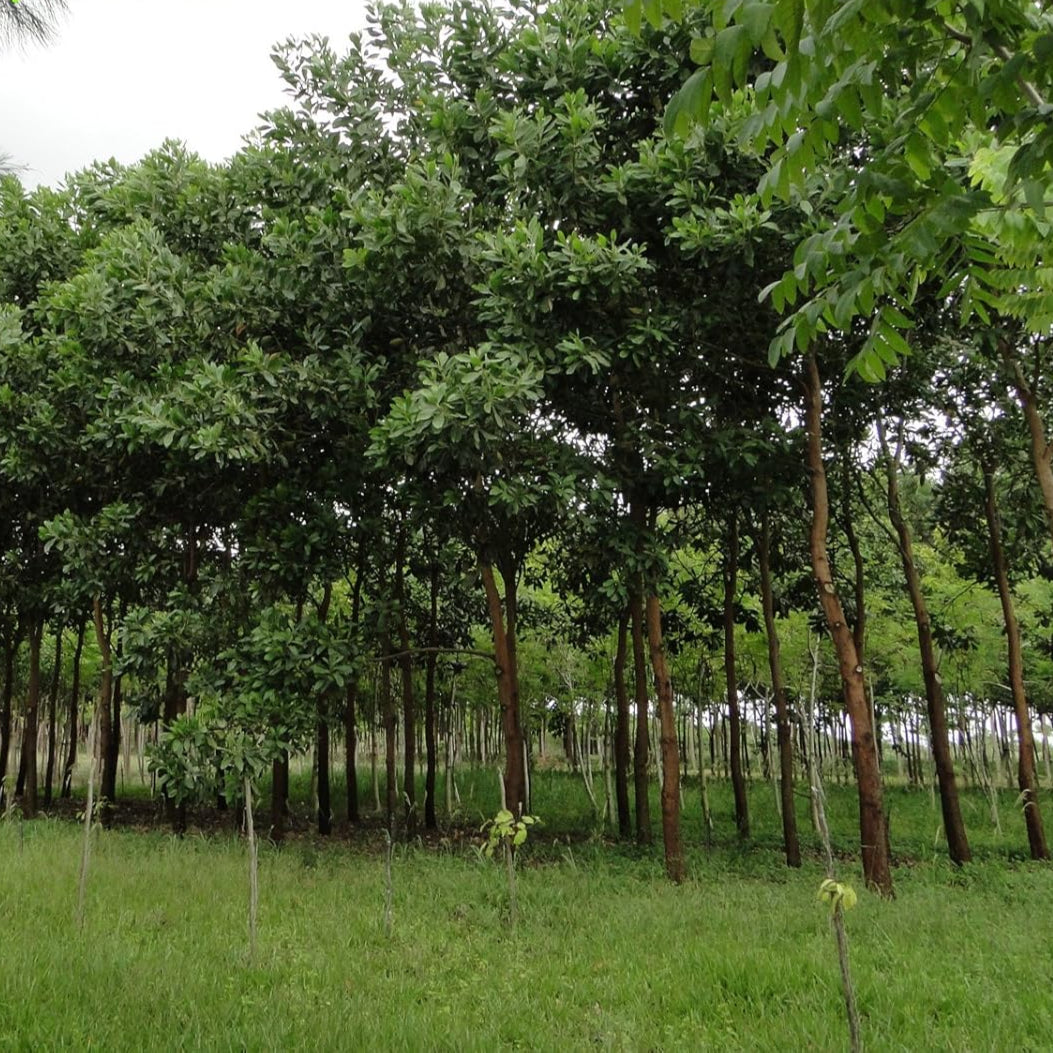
174 707
29 728
877 872
56 673
791 842
1041 450
1027 779
621 731
859 625
431 821
325 805
10 653
351 750
674 852
642 743
111 759
953 825
731 573
350 714
507 688
390 718
409 709
104 698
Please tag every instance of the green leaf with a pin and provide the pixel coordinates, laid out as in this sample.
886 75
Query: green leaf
690 104
634 16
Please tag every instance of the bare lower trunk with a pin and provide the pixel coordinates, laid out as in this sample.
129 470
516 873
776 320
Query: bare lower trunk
791 842
953 825
56 672
431 821
409 709
738 781
1041 450
674 852
10 652
1027 779
621 731
642 699
507 687
877 872
29 727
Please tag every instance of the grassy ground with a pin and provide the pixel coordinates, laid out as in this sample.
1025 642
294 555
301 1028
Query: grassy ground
607 955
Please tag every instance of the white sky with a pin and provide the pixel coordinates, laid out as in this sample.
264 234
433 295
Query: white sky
124 75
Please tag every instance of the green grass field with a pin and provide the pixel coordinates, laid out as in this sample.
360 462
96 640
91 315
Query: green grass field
607 954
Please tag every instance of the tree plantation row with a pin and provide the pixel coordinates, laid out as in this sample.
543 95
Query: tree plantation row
529 380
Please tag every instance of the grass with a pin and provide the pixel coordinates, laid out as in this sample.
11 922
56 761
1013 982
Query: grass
607 955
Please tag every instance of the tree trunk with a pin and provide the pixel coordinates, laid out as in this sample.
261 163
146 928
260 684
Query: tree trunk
29 728
877 872
1027 779
675 867
642 744
175 707
507 686
431 821
409 714
325 805
56 673
350 714
790 839
111 759
387 704
953 825
74 716
621 731
731 574
351 750
1041 450
10 653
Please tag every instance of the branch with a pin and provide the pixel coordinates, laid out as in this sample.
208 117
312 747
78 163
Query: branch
435 650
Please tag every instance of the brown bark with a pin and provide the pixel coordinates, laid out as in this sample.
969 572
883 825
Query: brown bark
56 673
10 653
351 749
621 731
859 626
110 761
675 867
350 714
30 724
409 714
507 688
1041 450
387 706
642 744
74 716
877 872
104 698
431 821
953 824
738 782
1027 779
784 729
325 807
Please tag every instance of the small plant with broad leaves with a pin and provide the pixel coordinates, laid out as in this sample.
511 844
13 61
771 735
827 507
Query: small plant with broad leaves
508 832
837 895
505 829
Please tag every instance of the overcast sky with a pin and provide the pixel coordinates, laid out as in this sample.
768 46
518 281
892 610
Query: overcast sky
124 75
